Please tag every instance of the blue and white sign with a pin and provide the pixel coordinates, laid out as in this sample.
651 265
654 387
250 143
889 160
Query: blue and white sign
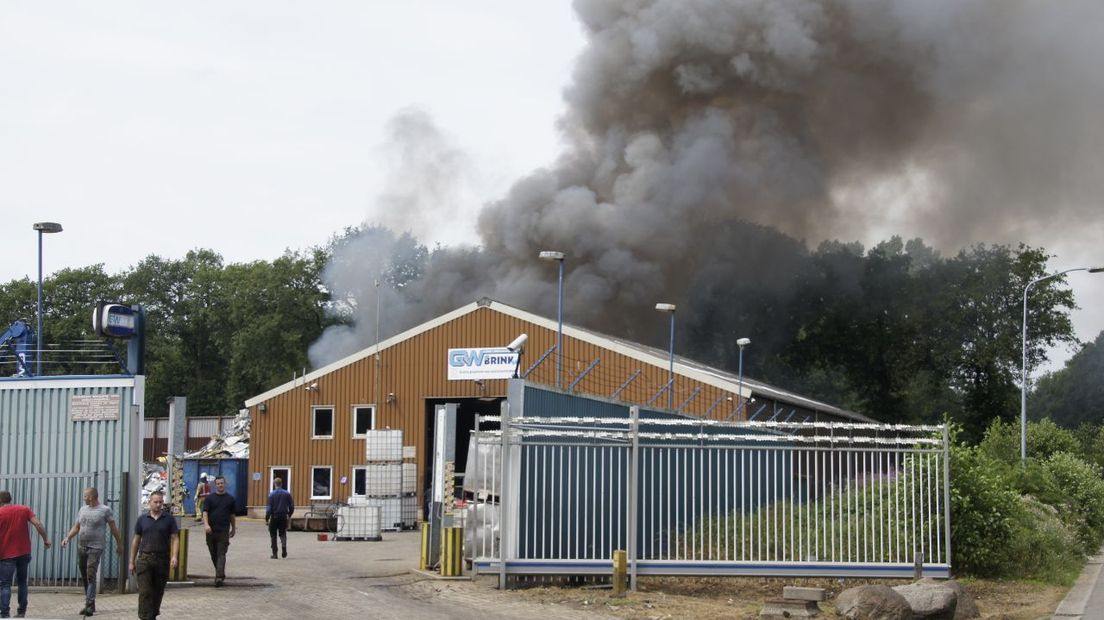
469 364
114 320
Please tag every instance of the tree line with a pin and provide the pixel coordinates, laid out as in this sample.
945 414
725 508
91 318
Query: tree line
897 332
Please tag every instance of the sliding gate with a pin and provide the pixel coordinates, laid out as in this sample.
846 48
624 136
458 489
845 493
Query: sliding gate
695 497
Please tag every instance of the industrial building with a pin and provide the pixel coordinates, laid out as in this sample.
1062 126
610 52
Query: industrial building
311 430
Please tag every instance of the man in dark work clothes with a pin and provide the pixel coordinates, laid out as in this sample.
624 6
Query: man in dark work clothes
219 522
153 552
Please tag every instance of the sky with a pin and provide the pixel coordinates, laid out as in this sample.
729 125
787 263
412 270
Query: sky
250 127
255 126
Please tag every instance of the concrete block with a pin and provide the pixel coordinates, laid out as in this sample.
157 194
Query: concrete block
778 609
804 594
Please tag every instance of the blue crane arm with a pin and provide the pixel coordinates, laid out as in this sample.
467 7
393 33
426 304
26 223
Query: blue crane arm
20 337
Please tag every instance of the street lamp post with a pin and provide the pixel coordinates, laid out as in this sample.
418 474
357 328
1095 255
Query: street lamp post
1023 366
41 227
742 342
558 257
670 308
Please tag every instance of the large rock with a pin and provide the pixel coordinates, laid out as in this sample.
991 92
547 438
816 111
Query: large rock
873 603
929 600
966 607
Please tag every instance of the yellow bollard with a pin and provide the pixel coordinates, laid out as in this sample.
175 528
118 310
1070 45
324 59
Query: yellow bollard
452 552
423 561
620 572
180 573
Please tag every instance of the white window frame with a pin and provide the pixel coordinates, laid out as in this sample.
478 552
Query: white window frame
352 489
314 413
328 468
272 476
371 422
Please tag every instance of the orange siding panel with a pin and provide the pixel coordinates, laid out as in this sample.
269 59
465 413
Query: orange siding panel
416 370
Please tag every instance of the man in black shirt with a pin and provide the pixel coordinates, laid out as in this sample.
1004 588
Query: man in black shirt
153 551
219 522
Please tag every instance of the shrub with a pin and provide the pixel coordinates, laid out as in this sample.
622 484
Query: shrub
985 509
1081 496
1044 438
1043 547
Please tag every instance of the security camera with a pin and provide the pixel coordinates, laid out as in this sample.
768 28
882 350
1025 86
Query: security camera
518 345
312 387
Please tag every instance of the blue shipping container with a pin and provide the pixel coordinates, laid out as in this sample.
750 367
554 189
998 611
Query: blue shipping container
236 472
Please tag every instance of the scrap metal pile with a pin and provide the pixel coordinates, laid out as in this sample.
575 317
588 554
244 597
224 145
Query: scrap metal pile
233 443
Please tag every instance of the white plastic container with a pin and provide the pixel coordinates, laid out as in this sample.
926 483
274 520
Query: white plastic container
358 523
409 478
383 479
384 446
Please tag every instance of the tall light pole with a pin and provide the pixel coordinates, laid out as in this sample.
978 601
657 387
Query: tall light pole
670 308
1023 366
558 257
742 342
41 227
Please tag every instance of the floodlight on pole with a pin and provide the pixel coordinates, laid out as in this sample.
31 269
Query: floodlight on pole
558 257
41 227
742 342
670 308
1023 366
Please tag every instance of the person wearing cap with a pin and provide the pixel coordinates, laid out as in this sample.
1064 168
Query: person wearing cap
203 489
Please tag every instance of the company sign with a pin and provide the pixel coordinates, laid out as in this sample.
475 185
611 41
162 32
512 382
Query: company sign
469 364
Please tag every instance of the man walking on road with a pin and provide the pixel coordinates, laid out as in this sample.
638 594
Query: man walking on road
277 512
220 522
15 551
92 522
153 553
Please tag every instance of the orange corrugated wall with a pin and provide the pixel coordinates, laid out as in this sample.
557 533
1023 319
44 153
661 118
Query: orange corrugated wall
416 370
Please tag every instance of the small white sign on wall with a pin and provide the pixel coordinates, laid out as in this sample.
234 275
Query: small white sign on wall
94 407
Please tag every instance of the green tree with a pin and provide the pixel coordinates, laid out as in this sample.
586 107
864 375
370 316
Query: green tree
277 310
1073 395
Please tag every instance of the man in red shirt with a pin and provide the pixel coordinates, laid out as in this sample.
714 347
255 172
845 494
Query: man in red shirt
15 551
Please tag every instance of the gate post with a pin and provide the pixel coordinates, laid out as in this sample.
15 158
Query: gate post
634 473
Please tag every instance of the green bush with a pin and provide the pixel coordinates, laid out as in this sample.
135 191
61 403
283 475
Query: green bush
1081 501
1044 438
1042 547
1091 438
985 511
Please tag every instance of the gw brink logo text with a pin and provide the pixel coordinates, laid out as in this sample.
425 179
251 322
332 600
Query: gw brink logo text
481 357
496 363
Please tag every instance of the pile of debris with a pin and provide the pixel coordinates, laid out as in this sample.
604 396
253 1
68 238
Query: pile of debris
154 478
233 443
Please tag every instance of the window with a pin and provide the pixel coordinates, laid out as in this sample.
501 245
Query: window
364 419
321 478
322 422
283 472
360 481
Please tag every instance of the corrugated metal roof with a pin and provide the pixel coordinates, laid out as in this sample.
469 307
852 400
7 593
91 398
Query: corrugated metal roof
650 355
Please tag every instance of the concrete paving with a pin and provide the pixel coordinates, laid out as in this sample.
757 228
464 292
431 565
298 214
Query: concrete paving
332 579
1086 598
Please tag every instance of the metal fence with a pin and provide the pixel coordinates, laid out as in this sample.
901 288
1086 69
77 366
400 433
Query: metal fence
55 500
696 497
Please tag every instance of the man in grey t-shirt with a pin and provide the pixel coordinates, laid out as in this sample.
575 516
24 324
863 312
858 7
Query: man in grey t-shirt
92 522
